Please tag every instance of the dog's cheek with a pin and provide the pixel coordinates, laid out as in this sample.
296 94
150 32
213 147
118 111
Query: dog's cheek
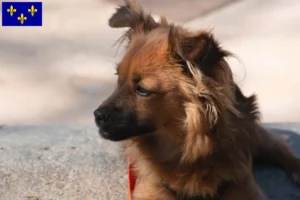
173 104
148 108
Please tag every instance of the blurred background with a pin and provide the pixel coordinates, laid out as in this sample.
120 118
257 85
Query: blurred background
60 72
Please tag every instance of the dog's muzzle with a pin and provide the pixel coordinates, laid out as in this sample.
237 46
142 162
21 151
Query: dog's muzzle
116 124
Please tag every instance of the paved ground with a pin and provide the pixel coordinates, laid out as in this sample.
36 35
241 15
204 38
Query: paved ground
59 163
59 73
73 163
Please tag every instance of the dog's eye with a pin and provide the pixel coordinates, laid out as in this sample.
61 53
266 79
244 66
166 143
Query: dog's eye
141 91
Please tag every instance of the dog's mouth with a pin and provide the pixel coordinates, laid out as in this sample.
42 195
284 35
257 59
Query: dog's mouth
117 133
112 136
104 133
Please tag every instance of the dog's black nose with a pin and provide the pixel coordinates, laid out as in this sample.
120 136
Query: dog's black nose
101 114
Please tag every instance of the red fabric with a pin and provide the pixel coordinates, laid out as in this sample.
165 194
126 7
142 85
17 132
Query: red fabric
131 180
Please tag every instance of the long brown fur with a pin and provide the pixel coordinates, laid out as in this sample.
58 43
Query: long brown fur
207 131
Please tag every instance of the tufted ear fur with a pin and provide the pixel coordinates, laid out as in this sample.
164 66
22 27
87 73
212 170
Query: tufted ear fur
131 15
200 48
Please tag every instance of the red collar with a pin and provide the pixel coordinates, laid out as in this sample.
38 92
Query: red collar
131 179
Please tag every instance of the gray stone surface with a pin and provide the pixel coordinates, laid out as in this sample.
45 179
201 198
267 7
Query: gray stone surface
73 162
61 162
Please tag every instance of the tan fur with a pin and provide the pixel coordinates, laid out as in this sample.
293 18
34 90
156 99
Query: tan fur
206 130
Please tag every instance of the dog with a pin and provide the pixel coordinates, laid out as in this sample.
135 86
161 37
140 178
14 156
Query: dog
181 118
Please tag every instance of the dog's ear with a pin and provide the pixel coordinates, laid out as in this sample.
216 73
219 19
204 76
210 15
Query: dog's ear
200 48
131 15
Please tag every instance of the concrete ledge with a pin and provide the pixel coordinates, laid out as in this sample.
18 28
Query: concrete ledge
59 163
69 162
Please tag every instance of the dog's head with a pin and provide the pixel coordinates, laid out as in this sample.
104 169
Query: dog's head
170 81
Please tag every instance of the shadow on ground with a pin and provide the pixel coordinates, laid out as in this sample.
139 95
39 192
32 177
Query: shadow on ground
272 180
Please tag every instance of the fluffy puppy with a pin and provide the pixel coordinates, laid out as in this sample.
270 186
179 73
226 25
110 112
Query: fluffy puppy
182 120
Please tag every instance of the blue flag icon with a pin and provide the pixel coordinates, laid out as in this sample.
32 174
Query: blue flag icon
22 14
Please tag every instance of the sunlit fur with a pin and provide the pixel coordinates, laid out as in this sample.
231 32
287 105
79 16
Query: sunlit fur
206 130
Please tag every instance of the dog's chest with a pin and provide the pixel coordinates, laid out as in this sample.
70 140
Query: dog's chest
217 195
204 185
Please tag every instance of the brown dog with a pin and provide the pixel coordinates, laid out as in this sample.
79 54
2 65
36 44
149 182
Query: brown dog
189 128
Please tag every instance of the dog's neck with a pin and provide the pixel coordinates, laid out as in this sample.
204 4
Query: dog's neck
156 148
165 162
161 149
